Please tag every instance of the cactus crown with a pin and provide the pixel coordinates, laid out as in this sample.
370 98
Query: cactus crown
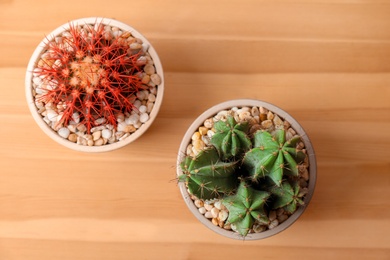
250 174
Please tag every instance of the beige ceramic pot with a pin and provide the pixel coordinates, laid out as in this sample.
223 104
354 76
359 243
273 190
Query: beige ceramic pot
282 114
133 135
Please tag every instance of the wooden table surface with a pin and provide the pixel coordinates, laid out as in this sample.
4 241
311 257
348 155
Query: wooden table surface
326 62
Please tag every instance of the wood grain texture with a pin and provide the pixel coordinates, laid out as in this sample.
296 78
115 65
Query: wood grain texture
325 62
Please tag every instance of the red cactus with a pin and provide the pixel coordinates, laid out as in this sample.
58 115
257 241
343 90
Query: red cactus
91 72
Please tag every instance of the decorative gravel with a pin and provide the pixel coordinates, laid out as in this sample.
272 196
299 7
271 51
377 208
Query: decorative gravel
102 133
259 118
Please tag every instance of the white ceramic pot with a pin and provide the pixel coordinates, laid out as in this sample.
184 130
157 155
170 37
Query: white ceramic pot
41 49
282 114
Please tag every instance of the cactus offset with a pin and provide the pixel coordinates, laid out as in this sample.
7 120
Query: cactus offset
273 156
208 177
231 138
287 196
246 206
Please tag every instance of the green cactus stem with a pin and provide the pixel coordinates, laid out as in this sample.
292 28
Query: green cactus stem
273 156
207 177
287 197
246 206
231 138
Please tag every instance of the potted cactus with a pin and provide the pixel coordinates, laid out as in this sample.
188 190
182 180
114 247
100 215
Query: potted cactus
246 169
94 84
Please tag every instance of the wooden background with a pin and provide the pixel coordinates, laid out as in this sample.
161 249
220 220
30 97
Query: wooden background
326 62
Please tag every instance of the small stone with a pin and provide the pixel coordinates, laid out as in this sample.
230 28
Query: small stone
305 174
215 212
214 221
63 132
132 119
259 228
155 78
272 215
223 215
208 214
218 204
254 128
195 136
145 79
274 223
209 123
282 218
82 128
203 130
279 212
198 144
270 115
120 117
90 142
263 110
144 117
52 115
72 138
76 117
124 136
72 128
266 124
96 135
121 126
141 95
151 97
255 111
150 106
106 133
202 210
142 109
244 115
129 129
99 142
263 117
210 133
189 149
97 128
278 122
100 121
135 46
198 203
227 226
208 207
150 70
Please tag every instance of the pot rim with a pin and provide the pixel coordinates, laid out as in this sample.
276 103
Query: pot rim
107 147
294 124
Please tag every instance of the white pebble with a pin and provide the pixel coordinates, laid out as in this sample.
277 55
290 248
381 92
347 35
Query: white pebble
202 210
142 109
223 215
144 117
274 223
52 115
76 117
151 97
215 212
64 132
208 214
208 206
132 119
218 204
106 133
141 95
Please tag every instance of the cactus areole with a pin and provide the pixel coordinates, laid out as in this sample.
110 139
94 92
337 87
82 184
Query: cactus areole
250 167
89 72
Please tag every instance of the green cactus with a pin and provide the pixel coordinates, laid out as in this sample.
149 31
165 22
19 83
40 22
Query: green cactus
287 196
246 206
231 138
273 156
208 177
